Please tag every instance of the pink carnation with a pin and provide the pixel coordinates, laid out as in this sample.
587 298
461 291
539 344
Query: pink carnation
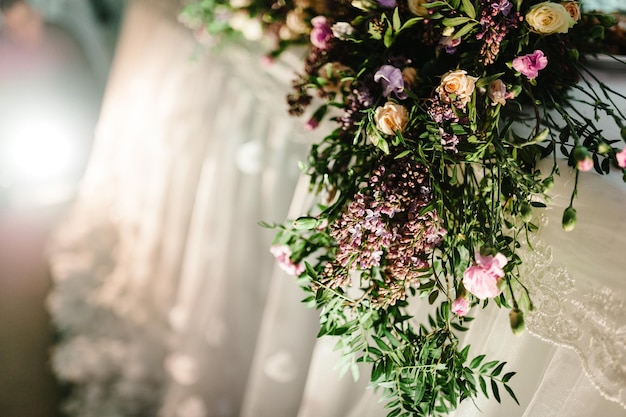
311 124
621 158
530 64
482 279
322 33
585 164
282 254
460 306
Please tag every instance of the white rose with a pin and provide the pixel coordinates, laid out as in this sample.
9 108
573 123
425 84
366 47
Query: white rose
456 83
342 30
391 118
249 27
238 4
547 18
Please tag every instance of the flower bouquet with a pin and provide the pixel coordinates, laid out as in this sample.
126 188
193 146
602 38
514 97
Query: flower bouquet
428 184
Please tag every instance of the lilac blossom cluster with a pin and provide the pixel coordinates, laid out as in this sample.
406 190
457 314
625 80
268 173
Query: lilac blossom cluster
383 227
441 113
358 99
496 20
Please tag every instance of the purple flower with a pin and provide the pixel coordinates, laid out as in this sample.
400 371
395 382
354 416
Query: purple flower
449 44
504 7
387 3
321 34
391 79
530 64
449 140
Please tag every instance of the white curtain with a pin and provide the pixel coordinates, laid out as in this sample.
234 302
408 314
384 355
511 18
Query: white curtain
168 302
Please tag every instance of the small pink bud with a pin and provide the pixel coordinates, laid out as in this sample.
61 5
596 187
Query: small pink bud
621 158
311 124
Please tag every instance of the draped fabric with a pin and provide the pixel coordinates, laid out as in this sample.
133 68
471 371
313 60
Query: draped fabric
168 302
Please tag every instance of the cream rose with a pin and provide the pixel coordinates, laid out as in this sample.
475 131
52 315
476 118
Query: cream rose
573 9
456 83
295 22
547 18
416 7
391 118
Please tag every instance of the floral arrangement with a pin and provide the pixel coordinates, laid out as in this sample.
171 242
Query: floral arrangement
428 185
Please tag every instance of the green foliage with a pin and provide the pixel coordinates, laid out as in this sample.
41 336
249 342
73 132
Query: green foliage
478 154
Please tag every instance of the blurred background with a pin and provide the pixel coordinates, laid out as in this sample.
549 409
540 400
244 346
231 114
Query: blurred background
54 61
55 57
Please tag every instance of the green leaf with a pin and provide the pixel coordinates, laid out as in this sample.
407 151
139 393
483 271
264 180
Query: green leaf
305 223
508 376
411 22
458 327
476 361
382 345
403 154
455 21
311 272
497 371
468 7
487 366
388 40
433 297
383 146
397 24
377 371
511 393
483 385
464 352
464 30
494 389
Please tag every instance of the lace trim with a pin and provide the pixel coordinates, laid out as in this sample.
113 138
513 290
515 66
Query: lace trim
582 316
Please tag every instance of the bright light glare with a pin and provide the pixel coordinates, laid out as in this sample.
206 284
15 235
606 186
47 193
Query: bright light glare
38 151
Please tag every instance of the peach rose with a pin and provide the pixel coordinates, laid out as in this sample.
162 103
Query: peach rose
456 83
573 9
391 118
547 18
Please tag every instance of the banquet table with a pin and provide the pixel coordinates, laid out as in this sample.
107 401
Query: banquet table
168 302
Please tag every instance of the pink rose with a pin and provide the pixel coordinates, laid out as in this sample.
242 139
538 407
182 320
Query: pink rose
621 158
530 64
482 279
322 33
460 306
282 254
